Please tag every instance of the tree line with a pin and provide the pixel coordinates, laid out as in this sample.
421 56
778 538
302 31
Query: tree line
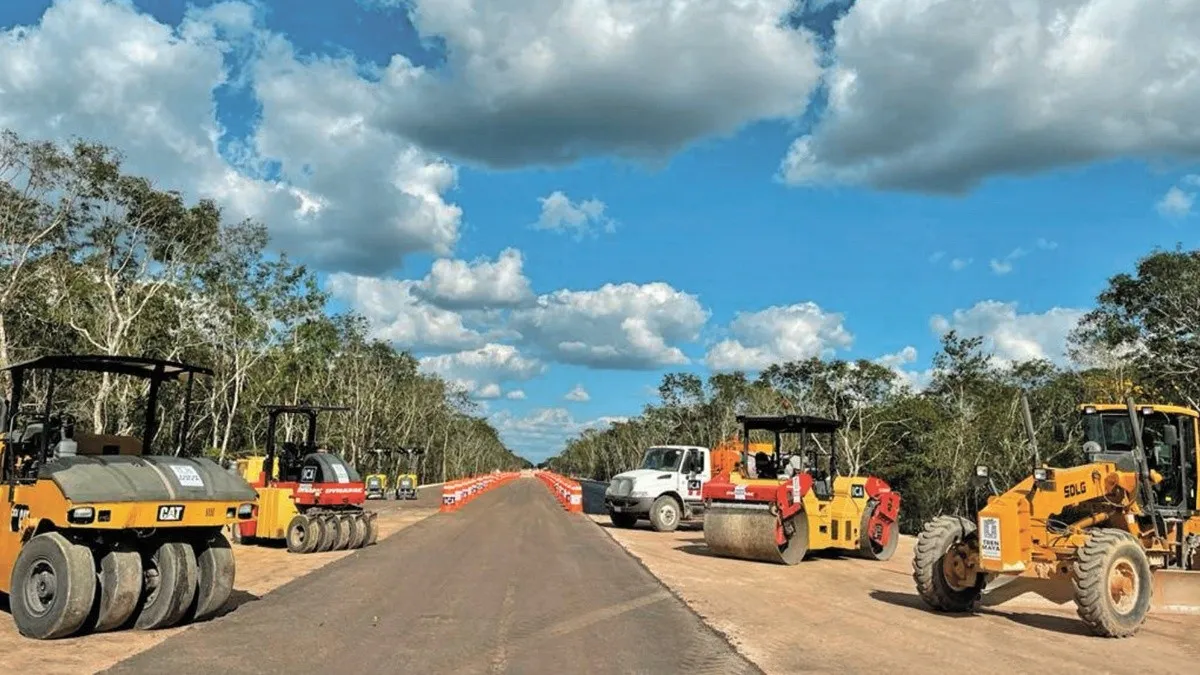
1141 339
95 260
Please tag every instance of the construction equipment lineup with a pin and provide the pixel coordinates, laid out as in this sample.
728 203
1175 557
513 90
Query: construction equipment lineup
108 531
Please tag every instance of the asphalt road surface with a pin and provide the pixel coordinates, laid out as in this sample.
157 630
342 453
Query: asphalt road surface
511 583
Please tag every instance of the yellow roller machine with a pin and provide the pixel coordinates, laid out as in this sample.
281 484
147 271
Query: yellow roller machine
104 531
776 507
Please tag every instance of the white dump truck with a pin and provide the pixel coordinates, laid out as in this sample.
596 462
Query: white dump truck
665 490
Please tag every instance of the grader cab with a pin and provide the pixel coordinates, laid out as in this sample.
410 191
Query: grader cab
1118 534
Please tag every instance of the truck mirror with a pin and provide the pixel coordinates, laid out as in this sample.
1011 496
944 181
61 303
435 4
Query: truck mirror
1060 432
1170 436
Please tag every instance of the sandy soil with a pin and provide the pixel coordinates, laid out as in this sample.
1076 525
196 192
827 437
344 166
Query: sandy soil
260 570
845 615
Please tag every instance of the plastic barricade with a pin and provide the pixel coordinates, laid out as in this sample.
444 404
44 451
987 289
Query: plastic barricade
568 492
458 493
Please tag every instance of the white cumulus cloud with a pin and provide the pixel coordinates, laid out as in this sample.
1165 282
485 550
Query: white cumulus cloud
1176 203
1013 336
397 314
560 214
458 284
777 335
543 432
332 188
621 326
578 394
481 371
938 95
546 81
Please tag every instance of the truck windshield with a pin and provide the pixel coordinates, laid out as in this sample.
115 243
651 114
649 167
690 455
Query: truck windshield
662 459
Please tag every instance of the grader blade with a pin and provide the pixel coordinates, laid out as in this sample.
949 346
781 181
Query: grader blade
743 531
1176 592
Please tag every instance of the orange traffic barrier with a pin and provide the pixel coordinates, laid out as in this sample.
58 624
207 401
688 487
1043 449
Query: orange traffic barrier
566 491
458 493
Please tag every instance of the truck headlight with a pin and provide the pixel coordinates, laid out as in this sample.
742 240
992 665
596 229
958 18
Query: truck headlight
639 494
81 515
245 511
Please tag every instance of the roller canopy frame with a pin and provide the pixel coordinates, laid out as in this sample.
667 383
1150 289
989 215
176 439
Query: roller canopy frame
155 370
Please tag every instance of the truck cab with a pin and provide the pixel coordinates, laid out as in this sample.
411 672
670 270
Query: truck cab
665 490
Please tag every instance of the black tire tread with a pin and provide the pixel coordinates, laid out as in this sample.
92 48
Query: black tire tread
935 538
1089 581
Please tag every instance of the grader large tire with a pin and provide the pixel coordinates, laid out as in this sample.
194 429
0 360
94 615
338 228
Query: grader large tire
623 520
867 548
665 514
120 579
345 532
1113 583
53 585
303 534
170 575
331 532
215 570
944 580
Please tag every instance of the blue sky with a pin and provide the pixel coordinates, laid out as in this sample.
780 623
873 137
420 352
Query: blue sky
847 189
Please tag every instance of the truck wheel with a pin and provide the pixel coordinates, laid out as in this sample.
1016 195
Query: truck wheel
53 586
945 580
1112 583
301 535
623 520
867 547
120 577
169 586
665 513
215 570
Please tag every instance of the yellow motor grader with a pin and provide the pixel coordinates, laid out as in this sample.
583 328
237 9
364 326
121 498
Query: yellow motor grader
1117 534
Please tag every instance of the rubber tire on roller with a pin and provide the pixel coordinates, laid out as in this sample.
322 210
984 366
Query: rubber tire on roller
215 570
660 508
318 535
345 532
934 542
624 521
119 572
869 549
360 531
301 533
1094 560
372 529
74 571
166 606
331 532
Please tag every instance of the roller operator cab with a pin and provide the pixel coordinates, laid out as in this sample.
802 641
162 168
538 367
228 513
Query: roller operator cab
1117 531
313 498
111 527
665 490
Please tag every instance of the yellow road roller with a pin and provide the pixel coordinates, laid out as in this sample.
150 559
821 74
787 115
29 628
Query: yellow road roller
105 531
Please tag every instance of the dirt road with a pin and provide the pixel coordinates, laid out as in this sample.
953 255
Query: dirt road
511 583
260 569
846 615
